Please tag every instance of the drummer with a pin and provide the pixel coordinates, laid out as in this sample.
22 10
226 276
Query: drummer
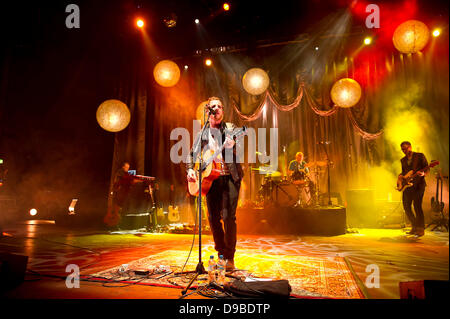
298 169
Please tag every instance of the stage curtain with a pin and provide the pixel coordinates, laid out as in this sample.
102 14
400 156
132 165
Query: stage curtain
297 103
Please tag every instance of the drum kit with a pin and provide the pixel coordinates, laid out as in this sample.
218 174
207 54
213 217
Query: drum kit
300 191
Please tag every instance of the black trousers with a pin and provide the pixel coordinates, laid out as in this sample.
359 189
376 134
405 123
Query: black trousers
414 195
222 200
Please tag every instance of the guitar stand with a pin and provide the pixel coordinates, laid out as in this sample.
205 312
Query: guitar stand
441 222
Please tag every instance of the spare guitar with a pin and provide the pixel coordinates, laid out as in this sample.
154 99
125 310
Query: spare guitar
120 191
174 215
210 169
436 205
407 180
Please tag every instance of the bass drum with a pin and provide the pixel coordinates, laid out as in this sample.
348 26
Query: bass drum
285 194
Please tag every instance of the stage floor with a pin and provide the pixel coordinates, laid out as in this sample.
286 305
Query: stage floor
50 248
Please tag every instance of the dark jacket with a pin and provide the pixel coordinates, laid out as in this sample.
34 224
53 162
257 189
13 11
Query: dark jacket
235 168
418 162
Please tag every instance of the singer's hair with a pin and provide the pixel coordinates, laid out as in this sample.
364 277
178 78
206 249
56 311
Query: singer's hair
212 98
405 142
298 154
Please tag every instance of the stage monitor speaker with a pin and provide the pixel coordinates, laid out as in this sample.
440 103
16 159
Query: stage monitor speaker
424 289
336 199
361 210
12 270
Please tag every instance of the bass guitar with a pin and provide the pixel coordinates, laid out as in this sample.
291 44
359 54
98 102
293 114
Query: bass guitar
210 169
406 180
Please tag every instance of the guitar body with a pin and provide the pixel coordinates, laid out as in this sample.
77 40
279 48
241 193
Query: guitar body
174 215
210 173
405 182
112 217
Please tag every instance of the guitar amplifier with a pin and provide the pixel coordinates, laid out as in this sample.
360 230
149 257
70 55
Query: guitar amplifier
361 210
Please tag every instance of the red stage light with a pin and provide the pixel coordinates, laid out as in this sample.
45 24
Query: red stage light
436 32
140 23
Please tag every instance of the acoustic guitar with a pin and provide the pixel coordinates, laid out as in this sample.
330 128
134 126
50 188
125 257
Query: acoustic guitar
210 169
407 180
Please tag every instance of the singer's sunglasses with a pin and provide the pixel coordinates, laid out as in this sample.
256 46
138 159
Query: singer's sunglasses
216 105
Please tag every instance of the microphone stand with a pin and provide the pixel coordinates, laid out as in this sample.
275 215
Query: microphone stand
200 269
328 173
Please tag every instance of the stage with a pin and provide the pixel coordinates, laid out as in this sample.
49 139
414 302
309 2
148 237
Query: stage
322 220
51 248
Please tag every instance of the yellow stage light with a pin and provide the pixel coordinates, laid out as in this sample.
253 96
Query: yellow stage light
166 73
411 36
208 62
33 212
436 33
346 92
140 23
255 81
226 6
113 115
367 40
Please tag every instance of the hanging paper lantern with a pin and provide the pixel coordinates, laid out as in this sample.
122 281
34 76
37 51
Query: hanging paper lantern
346 92
255 81
200 111
113 115
411 36
166 73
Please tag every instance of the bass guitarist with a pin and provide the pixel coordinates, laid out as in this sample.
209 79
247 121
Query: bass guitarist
222 197
414 195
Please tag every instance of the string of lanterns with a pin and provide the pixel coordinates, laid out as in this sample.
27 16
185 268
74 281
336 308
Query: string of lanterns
409 37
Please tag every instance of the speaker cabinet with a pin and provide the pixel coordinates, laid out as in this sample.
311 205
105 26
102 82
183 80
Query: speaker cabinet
424 289
12 270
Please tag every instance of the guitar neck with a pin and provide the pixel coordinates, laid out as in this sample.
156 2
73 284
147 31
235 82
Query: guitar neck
144 178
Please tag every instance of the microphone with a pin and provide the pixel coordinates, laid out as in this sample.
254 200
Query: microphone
211 110
324 142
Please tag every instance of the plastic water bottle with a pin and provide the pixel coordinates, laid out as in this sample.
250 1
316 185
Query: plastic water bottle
221 270
211 269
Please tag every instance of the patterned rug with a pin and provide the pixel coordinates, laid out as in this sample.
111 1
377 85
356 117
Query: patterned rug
323 277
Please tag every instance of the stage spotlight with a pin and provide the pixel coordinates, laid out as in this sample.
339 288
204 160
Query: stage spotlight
208 62
197 21
140 23
367 40
33 212
72 206
436 33
186 67
316 48
226 6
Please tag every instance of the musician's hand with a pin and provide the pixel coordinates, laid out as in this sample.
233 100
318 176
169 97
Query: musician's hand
229 143
191 176
420 173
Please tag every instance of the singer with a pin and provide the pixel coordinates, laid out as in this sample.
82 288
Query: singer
222 197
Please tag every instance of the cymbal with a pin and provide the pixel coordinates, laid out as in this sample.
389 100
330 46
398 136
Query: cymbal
274 174
317 163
